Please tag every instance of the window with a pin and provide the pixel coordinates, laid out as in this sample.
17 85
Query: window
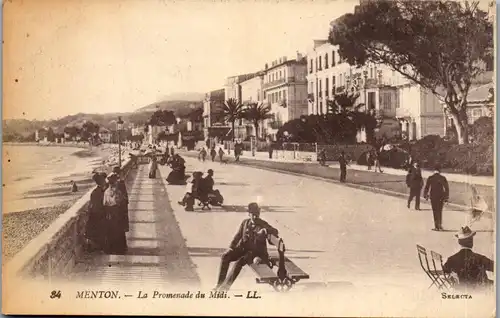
265 95
279 95
284 95
333 58
316 62
280 75
333 80
311 90
340 79
326 60
371 72
320 68
311 66
326 86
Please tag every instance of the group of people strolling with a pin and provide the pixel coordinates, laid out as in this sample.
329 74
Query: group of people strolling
108 219
202 155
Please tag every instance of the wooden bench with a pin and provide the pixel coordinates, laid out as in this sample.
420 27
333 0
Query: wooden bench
287 273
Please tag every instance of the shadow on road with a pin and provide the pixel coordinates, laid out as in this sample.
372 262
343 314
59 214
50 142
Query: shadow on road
244 209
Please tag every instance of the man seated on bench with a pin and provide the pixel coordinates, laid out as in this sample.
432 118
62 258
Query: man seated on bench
192 192
470 267
249 245
214 196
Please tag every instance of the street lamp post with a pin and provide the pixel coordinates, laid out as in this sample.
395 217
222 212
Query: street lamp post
119 127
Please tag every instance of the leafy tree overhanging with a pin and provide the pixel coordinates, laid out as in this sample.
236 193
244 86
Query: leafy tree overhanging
438 45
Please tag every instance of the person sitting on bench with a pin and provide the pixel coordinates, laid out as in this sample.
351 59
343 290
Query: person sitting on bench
192 191
470 267
214 196
248 246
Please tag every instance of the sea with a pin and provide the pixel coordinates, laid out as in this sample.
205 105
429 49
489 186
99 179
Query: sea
28 167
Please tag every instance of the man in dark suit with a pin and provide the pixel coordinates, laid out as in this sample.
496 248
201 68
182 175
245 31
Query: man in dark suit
437 189
248 245
470 267
415 182
343 166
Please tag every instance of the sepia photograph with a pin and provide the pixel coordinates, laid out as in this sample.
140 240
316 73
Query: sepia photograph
330 158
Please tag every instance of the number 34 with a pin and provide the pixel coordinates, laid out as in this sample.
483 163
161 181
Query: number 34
55 294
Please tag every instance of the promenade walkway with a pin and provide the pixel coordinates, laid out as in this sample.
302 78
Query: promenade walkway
157 253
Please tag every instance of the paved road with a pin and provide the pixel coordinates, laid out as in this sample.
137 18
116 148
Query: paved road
336 234
333 232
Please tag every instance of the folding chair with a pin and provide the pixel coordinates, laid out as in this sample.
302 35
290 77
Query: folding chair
444 280
424 260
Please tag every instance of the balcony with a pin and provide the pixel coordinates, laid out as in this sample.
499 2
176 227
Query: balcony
320 95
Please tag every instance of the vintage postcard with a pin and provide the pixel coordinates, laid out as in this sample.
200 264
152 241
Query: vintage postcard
249 158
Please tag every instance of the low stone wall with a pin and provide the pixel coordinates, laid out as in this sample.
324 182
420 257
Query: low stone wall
56 250
294 155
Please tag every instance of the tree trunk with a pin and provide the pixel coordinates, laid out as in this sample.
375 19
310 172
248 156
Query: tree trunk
256 125
232 124
461 124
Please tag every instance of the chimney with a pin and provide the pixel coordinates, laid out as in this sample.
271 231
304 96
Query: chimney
266 66
299 56
284 59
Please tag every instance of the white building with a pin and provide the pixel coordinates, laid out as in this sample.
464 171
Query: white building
285 89
381 89
251 92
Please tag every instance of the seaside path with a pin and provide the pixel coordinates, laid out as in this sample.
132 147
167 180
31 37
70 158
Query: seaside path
157 253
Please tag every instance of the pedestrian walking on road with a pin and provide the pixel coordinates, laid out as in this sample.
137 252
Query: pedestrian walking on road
221 154
436 188
213 153
376 159
343 166
415 182
369 160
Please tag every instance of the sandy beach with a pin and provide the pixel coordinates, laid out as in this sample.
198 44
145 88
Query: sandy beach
37 186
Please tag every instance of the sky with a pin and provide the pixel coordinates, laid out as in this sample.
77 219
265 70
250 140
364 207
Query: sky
63 57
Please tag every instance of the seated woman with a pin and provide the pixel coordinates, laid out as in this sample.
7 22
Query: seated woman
178 173
192 191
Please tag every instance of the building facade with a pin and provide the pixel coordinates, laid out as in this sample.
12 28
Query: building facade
251 92
213 121
285 90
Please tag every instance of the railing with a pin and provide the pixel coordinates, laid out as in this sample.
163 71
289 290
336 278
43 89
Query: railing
56 250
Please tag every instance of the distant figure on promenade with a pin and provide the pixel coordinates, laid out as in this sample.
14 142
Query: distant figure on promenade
172 151
221 154
343 166
116 242
437 189
123 188
213 153
376 161
238 150
270 150
322 157
203 154
153 166
74 187
249 245
95 228
415 182
369 160
470 267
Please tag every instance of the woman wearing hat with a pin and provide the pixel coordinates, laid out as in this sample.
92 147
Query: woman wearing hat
116 242
470 267
95 227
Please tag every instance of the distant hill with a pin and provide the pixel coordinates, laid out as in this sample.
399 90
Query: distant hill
180 107
139 117
188 96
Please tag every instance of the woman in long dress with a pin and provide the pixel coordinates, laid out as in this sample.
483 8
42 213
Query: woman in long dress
153 166
116 242
95 229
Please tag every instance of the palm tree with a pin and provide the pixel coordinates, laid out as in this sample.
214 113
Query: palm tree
344 103
232 111
256 113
